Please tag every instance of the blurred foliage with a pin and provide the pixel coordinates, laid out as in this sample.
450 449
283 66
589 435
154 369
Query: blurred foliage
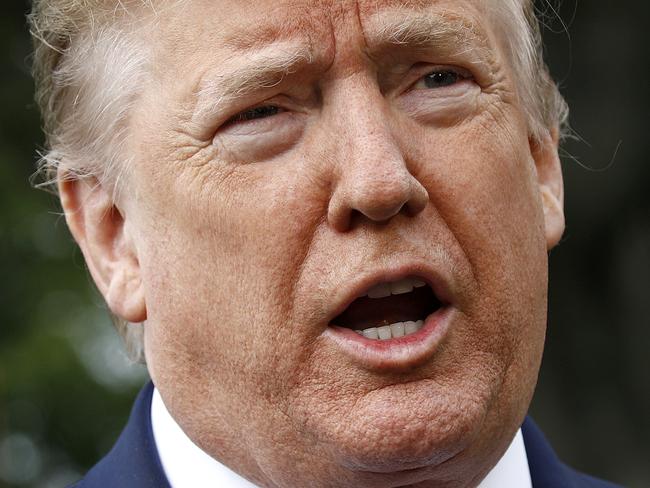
65 384
593 399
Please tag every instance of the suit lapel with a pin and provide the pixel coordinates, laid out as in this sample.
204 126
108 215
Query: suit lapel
546 470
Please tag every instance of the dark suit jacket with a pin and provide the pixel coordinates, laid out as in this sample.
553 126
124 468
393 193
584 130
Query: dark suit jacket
133 462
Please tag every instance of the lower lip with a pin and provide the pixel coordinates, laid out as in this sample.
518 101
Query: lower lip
399 353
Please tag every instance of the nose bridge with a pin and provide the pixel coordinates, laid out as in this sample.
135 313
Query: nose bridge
369 140
373 176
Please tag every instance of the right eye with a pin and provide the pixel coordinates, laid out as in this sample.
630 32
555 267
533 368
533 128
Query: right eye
259 133
255 113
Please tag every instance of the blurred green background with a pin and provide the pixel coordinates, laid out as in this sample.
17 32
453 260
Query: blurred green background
66 386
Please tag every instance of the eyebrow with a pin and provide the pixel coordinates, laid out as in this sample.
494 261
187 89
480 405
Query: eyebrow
424 29
265 67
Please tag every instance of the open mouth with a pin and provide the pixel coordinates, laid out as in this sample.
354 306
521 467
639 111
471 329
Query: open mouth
390 310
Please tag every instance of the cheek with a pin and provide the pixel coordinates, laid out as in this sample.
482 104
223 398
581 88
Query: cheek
220 273
482 183
483 186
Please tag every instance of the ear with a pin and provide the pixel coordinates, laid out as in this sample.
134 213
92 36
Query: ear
551 186
103 235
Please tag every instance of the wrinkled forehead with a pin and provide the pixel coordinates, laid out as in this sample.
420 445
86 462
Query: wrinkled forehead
244 24
225 50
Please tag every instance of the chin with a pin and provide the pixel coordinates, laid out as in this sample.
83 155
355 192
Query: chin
402 431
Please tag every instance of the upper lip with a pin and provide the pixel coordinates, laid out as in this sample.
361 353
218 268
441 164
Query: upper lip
358 287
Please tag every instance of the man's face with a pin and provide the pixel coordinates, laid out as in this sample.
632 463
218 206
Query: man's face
293 155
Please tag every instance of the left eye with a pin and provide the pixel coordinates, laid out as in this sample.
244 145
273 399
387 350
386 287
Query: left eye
441 79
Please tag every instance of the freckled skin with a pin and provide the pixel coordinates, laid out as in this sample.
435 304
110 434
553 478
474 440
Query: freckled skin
241 246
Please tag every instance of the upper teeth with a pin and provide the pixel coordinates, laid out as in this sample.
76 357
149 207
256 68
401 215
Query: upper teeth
383 290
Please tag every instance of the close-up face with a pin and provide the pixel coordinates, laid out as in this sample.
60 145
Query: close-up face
341 225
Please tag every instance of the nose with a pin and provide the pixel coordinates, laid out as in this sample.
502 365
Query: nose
374 181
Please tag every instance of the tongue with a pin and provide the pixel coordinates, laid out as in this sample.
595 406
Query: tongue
368 312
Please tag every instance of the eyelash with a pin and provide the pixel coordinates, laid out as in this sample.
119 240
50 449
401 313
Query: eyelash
255 113
268 111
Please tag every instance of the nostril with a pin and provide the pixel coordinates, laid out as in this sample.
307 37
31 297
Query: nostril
419 199
384 203
345 217
383 196
377 193
357 218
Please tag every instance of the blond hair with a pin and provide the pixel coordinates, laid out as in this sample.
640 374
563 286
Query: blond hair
88 65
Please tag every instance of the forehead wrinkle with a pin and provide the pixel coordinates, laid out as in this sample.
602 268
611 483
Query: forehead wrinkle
260 36
274 25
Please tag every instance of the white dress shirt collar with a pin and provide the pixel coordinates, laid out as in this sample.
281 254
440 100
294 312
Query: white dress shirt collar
187 466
